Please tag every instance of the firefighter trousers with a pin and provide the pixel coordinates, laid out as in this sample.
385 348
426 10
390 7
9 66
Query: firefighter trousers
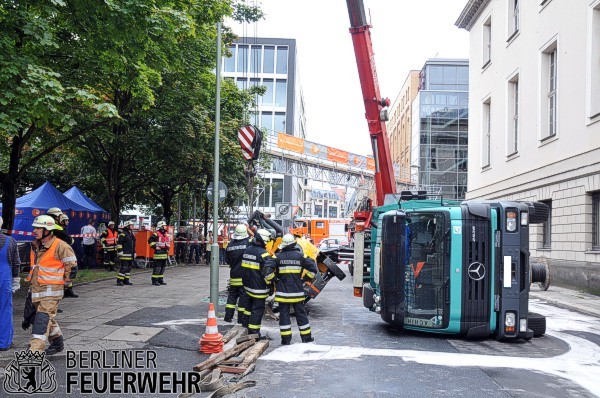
125 271
285 324
45 329
158 272
237 294
256 307
110 259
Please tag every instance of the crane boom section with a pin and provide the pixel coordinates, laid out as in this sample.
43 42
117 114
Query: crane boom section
365 61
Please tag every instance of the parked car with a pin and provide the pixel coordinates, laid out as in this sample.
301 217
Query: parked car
332 243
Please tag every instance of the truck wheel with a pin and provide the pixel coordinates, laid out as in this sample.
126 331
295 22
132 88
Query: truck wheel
537 323
337 271
540 273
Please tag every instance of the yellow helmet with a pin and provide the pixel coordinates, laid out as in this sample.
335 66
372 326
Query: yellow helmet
44 221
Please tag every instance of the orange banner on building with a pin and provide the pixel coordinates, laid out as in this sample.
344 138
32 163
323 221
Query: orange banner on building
337 155
291 143
371 164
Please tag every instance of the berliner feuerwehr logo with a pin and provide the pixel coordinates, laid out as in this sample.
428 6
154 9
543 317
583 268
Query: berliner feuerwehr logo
30 373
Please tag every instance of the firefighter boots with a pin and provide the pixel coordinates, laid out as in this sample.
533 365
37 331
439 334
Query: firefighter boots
56 345
120 283
286 341
308 339
70 293
127 282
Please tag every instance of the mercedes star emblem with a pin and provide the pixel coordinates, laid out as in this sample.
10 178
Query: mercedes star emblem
476 271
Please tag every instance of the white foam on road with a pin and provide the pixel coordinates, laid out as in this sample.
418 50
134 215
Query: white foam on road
176 322
580 364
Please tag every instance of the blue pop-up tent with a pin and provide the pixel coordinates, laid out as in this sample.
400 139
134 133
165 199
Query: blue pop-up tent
29 206
80 198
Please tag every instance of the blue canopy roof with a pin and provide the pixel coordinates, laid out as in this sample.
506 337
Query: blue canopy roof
79 197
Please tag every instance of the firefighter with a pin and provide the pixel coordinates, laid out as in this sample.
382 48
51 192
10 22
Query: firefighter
64 223
253 261
52 260
286 271
61 229
237 293
110 246
159 241
126 241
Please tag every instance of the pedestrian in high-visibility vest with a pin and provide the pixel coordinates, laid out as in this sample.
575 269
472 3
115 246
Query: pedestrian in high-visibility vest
159 241
51 263
110 246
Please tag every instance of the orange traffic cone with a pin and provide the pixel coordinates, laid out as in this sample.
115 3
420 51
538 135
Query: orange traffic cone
211 341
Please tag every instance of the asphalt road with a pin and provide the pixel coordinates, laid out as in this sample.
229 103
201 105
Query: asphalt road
355 354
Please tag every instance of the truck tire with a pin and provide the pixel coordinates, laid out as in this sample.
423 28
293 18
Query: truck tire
540 273
333 267
537 323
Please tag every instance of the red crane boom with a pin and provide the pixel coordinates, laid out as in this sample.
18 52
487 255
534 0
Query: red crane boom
375 111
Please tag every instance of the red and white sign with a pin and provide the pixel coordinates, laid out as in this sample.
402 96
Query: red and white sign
246 137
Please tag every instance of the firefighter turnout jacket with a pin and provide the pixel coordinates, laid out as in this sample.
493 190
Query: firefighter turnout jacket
285 269
126 242
50 269
109 240
253 260
233 257
159 241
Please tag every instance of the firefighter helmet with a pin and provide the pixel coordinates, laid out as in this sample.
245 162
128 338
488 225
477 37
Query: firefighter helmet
44 221
240 232
264 234
111 223
128 223
161 224
55 211
63 217
288 239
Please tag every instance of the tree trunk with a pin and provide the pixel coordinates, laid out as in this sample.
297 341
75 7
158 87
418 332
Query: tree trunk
10 182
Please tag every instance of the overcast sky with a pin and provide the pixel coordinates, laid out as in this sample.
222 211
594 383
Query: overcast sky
405 33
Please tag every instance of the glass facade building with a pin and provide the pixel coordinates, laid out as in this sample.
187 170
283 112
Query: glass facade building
440 127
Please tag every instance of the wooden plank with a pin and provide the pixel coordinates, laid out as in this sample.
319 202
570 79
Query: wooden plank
222 356
232 369
236 331
240 340
253 353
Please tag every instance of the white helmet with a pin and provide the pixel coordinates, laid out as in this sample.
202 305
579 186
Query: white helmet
54 211
160 224
264 234
63 217
44 222
111 223
128 223
240 232
288 239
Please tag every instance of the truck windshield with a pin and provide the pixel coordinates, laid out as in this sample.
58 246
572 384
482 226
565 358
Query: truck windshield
425 270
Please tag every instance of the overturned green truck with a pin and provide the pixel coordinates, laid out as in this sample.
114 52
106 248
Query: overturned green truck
450 267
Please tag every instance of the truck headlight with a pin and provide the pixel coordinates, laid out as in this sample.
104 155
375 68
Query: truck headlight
511 221
510 319
524 218
523 325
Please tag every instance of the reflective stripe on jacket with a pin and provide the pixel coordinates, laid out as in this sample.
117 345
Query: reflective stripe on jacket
51 271
286 268
109 240
159 241
253 260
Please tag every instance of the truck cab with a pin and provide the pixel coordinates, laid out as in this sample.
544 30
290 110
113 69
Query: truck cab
453 267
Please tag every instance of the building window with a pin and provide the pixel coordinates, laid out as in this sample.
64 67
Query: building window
281 93
266 122
279 122
282 60
513 9
318 210
547 227
333 212
255 59
269 61
242 59
267 98
229 65
594 64
549 91
513 119
486 133
276 191
596 221
487 41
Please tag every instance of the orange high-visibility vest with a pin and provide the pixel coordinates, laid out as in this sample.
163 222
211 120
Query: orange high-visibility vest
163 240
111 239
51 271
